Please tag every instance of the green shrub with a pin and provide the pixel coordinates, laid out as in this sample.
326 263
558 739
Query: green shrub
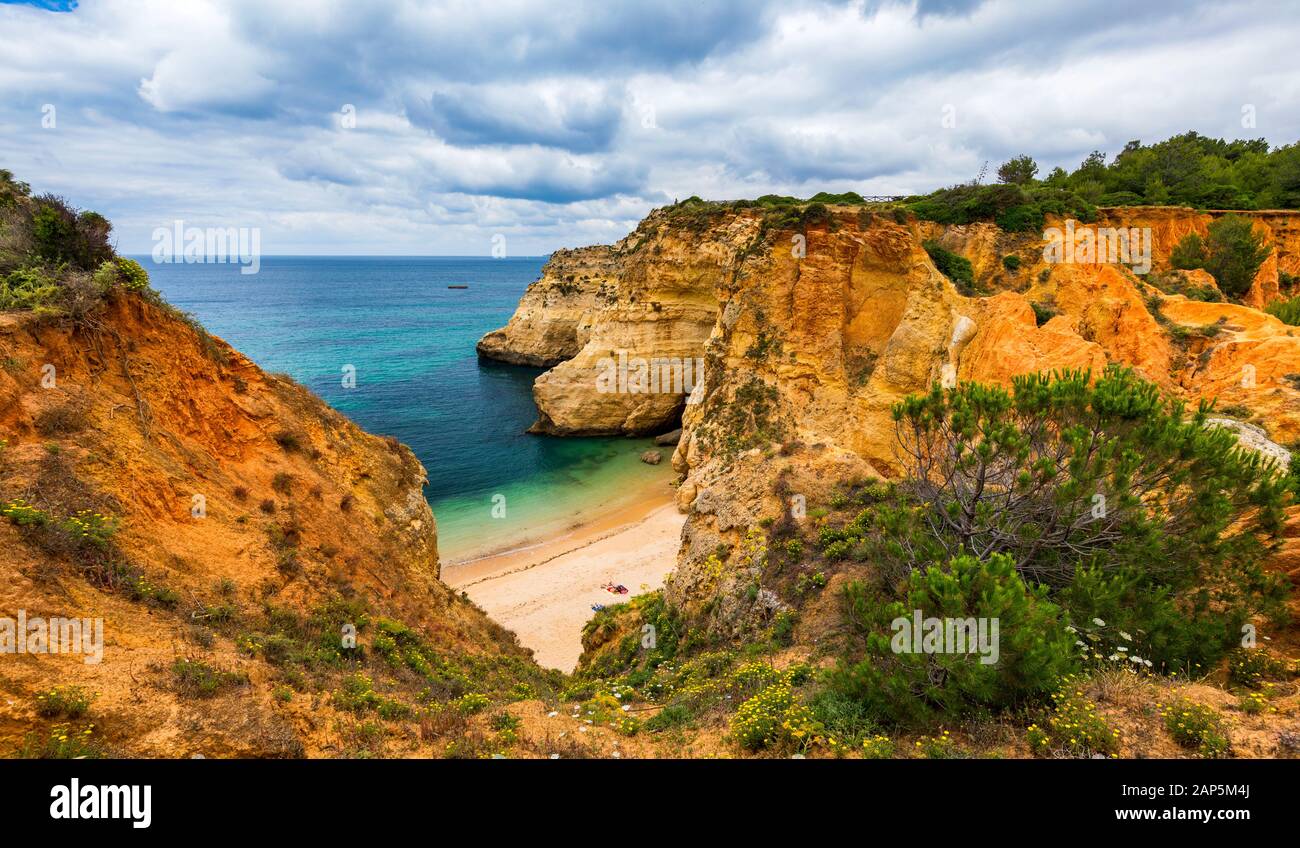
816 213
56 259
1084 478
12 191
1196 726
89 529
29 288
64 742
1189 253
1235 252
1232 252
752 676
783 624
1026 217
953 266
1034 650
1177 635
278 649
837 549
1255 703
123 272
877 747
357 694
1019 170
24 514
1121 198
200 680
1073 728
847 198
1177 284
1286 311
504 721
63 234
390 709
472 702
941 747
86 538
1043 313
966 204
1015 208
1011 262
774 719
1194 170
673 715
649 609
1254 667
64 702
846 719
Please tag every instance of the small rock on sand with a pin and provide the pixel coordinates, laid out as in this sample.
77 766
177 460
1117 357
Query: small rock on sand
652 457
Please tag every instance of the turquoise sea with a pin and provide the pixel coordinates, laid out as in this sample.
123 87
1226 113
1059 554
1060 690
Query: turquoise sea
411 340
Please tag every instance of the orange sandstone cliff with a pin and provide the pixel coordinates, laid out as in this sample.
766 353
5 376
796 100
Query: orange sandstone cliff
811 330
229 529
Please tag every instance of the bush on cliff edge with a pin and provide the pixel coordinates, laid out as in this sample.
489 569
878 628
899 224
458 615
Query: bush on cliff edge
1232 253
56 259
1121 502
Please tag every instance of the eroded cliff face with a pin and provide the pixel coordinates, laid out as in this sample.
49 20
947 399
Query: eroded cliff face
820 326
651 296
553 321
243 505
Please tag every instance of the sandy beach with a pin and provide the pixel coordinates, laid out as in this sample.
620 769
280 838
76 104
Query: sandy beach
544 591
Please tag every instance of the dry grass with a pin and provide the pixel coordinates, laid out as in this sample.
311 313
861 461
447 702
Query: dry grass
63 419
1123 688
569 747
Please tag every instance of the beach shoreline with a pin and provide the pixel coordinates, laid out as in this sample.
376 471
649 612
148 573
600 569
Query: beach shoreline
605 480
545 590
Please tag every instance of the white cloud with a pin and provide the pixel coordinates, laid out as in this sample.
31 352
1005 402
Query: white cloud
207 75
560 129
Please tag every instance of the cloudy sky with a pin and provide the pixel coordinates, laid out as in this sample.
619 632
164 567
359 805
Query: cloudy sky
409 127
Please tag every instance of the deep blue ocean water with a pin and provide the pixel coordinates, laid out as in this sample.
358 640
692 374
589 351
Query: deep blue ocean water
411 341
